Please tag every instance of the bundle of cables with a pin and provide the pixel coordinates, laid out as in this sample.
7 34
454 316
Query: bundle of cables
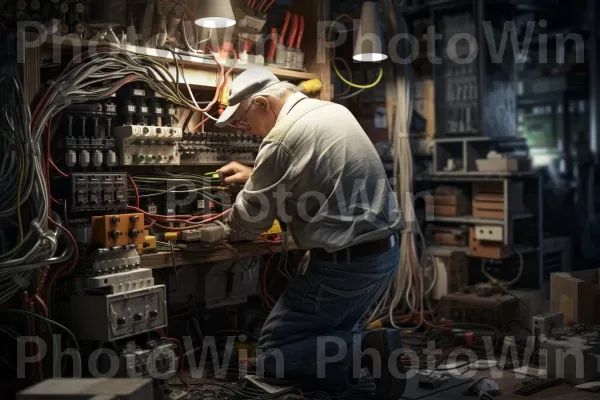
26 202
407 300
170 185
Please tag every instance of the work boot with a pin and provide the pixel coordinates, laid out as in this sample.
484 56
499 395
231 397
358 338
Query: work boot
390 384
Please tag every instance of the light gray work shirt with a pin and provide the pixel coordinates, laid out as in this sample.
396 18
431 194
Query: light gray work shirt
318 173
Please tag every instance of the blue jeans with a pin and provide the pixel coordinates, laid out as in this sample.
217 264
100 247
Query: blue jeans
316 320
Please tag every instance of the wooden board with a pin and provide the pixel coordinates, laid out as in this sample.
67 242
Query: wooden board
198 71
164 259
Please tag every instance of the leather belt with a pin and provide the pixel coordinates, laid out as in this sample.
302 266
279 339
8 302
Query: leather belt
357 251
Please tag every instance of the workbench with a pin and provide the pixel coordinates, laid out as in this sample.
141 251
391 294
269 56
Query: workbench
241 250
510 383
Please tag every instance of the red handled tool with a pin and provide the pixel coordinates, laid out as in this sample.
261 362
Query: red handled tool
293 32
262 3
251 4
286 24
248 45
267 6
273 46
300 33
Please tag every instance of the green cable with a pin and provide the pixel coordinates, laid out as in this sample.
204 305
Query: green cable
48 321
337 71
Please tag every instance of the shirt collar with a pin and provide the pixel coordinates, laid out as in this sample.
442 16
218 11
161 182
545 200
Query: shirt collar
289 104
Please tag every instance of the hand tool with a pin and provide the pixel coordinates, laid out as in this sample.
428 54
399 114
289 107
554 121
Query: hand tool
268 5
281 50
290 54
272 47
299 54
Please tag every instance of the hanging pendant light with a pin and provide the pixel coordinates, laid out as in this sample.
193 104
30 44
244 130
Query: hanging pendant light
369 41
215 14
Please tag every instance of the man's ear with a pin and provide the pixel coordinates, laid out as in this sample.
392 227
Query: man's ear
262 102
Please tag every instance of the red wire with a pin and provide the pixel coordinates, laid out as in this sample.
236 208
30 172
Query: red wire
76 249
200 225
181 364
137 191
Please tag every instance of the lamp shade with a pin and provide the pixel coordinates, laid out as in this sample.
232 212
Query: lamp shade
215 14
369 41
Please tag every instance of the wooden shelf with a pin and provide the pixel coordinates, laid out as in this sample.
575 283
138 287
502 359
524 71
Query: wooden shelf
198 71
164 259
446 251
468 219
473 176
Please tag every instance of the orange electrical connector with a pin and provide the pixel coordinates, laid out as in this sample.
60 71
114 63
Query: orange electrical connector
118 230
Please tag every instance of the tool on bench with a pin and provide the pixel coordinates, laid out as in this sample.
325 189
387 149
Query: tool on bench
537 385
281 50
289 54
270 59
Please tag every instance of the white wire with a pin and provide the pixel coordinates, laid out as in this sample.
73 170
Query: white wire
211 117
401 296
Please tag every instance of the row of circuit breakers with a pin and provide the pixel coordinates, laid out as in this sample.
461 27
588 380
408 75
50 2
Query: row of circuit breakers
139 127
159 145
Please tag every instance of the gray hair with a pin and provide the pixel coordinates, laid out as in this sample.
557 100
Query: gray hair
278 90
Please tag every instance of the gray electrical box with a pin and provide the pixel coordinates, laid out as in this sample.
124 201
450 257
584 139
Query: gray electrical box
80 389
115 316
576 359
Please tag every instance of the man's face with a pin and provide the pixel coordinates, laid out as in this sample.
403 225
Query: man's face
257 117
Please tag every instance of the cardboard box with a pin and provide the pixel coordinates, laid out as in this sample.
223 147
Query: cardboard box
577 296
503 165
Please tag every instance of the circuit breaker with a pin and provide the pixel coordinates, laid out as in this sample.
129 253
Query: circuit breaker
115 316
148 145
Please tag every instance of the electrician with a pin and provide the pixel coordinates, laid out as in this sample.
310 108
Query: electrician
318 173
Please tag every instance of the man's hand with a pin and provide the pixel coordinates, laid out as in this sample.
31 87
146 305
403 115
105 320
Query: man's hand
235 173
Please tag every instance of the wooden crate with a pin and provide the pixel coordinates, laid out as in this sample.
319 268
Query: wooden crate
488 200
450 236
450 205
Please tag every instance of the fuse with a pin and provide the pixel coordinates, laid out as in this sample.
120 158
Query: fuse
98 158
84 158
71 158
111 159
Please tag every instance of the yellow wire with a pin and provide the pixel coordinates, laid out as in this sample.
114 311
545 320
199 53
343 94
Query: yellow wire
337 71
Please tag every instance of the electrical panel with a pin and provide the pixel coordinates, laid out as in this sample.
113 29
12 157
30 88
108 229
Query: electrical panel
115 316
96 191
158 361
121 281
573 355
106 261
118 230
148 145
209 234
88 142
218 148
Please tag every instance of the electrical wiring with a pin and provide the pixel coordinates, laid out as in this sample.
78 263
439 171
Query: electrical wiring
91 76
407 294
44 319
181 363
496 281
137 191
336 69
